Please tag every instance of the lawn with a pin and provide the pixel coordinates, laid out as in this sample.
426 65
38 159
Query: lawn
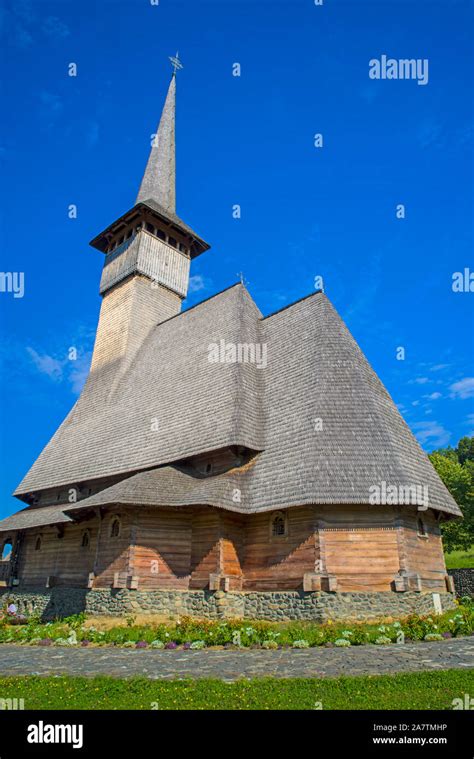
423 690
460 559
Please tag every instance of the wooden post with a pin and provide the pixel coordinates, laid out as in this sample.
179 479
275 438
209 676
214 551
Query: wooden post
97 545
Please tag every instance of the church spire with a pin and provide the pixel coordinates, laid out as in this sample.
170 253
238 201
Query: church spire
153 217
159 179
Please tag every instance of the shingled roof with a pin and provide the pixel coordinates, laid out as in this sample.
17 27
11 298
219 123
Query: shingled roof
315 370
170 404
35 516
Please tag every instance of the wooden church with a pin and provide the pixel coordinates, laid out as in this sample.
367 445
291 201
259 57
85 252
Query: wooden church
221 451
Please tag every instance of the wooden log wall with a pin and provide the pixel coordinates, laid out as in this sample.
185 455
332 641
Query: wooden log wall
161 550
112 554
425 555
206 548
62 558
278 563
360 547
363 547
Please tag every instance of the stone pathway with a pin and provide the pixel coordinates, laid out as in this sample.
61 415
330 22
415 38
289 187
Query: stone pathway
457 653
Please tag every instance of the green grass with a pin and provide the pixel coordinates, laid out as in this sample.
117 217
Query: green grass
460 559
424 690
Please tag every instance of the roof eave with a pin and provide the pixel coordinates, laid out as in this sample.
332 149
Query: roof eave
198 246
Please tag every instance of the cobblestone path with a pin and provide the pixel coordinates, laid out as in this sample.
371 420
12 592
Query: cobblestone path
457 653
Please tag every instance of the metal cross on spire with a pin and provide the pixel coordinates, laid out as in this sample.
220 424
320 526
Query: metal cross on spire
175 62
243 281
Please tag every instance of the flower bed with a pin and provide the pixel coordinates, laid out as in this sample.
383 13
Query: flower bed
188 633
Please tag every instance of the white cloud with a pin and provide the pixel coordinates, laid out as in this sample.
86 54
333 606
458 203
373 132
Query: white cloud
79 372
463 389
50 101
66 370
433 396
431 432
46 364
196 283
438 367
54 27
421 380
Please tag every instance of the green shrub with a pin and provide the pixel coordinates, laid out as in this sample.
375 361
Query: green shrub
197 645
459 621
270 644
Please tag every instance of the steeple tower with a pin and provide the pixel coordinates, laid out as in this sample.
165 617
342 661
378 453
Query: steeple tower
159 179
148 250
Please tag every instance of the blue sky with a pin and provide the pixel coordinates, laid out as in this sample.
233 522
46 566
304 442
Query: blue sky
245 140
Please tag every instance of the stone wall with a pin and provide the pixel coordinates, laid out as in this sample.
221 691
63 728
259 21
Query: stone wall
278 606
463 581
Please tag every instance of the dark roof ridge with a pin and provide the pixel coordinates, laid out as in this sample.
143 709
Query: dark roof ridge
201 302
295 303
211 297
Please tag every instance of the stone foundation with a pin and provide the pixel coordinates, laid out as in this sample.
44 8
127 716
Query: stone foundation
463 581
277 606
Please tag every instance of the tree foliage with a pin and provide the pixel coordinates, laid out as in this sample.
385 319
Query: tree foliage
455 466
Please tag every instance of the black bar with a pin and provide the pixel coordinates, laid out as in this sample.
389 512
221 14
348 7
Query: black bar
305 733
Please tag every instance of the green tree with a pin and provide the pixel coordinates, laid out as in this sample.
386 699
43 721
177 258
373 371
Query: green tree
465 449
456 469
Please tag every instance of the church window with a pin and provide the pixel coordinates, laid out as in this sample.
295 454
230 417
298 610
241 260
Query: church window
422 531
150 228
38 544
86 539
160 234
115 528
172 242
278 525
130 233
7 550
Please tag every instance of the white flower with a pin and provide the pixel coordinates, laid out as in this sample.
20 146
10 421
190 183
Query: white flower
382 641
300 644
